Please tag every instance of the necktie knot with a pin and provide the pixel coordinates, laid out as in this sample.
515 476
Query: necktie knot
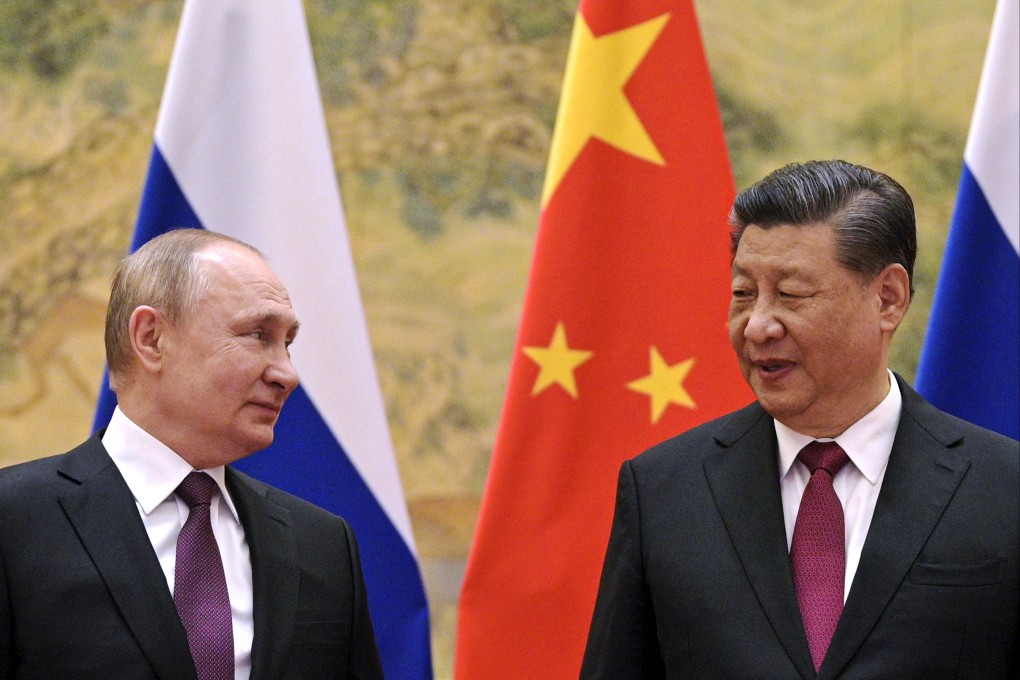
828 456
197 489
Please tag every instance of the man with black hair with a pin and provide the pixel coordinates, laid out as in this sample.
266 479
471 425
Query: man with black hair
840 526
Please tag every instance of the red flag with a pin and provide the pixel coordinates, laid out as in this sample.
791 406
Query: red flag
623 340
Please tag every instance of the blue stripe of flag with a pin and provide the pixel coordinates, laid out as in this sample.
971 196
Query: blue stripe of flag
970 364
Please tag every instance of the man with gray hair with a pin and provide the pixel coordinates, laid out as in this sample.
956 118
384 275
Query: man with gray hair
142 553
840 526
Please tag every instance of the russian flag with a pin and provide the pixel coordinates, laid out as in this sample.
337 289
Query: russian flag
970 363
241 148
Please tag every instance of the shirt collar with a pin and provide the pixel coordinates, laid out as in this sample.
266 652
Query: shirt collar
151 469
867 443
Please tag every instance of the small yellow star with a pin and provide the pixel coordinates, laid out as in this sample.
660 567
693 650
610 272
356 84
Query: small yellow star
665 384
557 363
593 103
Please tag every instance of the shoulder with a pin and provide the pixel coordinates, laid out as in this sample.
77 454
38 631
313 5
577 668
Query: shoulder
694 445
28 474
251 494
33 493
277 523
25 486
44 477
919 418
988 462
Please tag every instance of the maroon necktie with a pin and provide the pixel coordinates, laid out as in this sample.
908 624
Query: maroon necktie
200 588
818 551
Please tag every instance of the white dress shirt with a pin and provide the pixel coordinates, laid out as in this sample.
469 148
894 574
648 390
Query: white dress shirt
867 443
152 472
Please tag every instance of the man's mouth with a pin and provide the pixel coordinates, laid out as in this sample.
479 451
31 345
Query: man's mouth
267 406
772 365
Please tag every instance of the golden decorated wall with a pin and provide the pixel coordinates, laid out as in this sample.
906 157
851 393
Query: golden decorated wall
440 115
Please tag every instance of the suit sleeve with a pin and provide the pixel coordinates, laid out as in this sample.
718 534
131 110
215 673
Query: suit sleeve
622 641
5 624
363 662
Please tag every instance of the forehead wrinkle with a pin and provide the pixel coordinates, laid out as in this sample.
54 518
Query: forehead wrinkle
777 266
267 289
271 318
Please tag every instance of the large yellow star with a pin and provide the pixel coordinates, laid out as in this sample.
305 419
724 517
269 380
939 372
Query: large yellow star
593 103
665 384
557 362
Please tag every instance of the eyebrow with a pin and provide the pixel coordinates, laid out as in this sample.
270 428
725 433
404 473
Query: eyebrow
273 317
781 273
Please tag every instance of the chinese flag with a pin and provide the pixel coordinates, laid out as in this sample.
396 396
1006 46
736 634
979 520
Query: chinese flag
623 340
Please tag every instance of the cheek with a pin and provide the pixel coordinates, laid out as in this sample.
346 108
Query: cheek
826 347
235 371
737 338
735 325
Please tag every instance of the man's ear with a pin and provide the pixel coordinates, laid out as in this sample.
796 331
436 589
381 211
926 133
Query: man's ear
893 287
147 329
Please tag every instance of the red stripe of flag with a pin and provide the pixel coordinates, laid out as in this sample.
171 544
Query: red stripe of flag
623 338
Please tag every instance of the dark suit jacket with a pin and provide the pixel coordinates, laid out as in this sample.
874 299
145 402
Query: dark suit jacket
697 583
82 595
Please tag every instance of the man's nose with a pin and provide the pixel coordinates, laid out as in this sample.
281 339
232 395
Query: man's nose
762 323
281 372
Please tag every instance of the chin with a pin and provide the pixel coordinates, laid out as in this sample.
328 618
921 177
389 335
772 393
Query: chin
779 408
255 442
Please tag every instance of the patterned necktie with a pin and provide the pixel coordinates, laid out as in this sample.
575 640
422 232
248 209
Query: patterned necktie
818 551
200 588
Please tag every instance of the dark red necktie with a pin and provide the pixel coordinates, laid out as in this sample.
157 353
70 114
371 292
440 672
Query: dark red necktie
818 551
200 588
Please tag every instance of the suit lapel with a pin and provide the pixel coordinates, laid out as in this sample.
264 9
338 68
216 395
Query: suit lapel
921 478
743 476
102 510
275 574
